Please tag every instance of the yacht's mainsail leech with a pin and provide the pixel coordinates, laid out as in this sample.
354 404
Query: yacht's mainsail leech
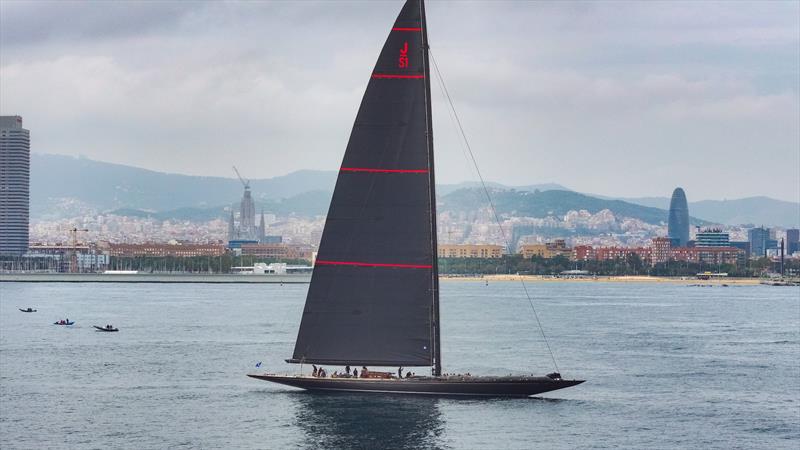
373 298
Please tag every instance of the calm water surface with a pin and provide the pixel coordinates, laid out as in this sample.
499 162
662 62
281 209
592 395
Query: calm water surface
667 367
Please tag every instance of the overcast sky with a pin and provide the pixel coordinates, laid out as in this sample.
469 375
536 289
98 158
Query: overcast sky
623 99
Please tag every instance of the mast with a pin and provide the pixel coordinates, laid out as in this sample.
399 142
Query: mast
436 331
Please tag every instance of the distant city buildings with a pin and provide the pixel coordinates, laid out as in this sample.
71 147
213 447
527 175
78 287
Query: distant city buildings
161 250
15 162
660 251
678 222
761 239
792 240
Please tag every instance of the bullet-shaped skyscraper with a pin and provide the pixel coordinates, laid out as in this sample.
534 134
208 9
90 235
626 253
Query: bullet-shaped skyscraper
678 225
15 171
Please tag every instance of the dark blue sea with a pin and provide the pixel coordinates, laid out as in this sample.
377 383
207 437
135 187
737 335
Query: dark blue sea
667 366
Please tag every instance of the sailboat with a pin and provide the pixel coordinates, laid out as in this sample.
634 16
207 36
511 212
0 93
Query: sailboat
374 293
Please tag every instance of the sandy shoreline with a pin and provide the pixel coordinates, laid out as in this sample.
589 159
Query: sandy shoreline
607 279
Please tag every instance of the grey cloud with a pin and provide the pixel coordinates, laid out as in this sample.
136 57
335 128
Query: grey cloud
567 91
29 23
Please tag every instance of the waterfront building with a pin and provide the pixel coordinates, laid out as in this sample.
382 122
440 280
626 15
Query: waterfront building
470 251
583 253
163 250
678 221
661 249
277 251
15 163
709 255
69 258
712 237
622 253
547 250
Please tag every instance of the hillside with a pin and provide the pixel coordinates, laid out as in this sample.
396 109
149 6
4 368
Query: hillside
751 210
105 186
64 186
550 203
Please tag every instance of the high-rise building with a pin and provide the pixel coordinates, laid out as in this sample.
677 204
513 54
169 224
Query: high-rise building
15 171
678 224
712 237
792 240
760 241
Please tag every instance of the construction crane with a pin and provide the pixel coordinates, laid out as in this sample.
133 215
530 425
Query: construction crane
73 259
245 183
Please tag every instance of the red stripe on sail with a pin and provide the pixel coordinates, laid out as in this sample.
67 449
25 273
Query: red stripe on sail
395 76
406 29
369 170
365 264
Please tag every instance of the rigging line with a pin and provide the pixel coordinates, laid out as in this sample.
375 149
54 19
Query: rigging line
489 199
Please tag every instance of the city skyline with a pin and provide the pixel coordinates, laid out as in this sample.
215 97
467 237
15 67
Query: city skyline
656 89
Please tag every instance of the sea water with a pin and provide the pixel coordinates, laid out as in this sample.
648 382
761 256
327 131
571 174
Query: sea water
667 366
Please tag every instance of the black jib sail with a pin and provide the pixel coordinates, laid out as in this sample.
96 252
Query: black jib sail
373 298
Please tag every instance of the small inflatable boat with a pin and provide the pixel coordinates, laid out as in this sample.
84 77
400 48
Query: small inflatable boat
106 329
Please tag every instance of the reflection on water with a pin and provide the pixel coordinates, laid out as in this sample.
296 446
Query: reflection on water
351 420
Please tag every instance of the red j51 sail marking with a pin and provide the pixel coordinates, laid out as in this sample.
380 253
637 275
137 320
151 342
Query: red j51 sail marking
370 170
402 61
366 264
395 76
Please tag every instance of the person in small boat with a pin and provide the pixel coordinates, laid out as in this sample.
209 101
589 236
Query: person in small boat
408 374
355 373
400 372
364 372
315 372
347 370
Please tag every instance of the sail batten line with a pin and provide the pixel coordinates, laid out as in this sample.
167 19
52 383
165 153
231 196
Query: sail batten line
372 170
368 264
392 76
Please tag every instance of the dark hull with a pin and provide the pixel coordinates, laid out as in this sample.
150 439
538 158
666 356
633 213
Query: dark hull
107 330
442 386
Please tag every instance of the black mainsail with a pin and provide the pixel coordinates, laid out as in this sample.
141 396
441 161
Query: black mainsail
373 298
374 293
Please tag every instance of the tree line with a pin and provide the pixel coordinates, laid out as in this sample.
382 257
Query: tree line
631 265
